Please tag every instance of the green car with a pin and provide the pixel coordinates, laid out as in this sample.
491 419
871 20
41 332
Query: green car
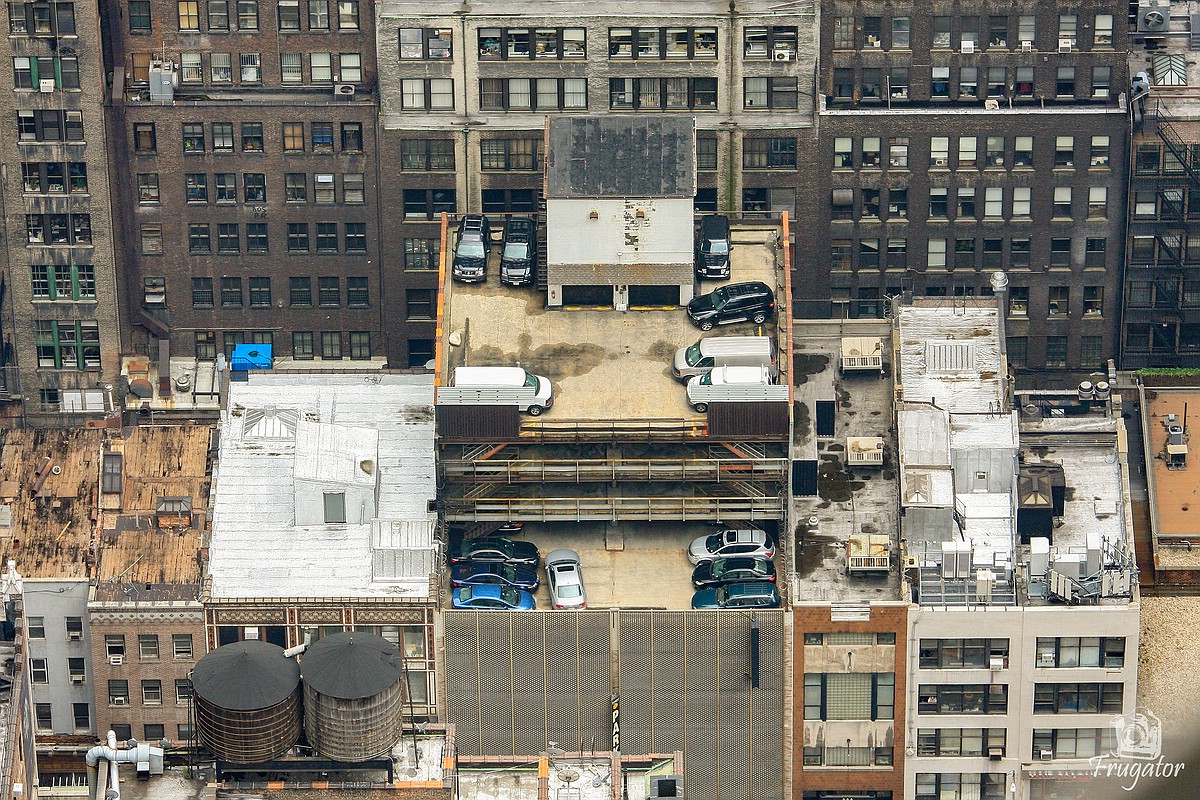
738 595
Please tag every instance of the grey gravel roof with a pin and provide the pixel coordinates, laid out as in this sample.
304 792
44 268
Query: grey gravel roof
351 665
245 676
636 156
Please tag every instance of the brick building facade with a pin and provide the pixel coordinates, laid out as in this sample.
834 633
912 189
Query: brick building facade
247 195
59 328
1006 150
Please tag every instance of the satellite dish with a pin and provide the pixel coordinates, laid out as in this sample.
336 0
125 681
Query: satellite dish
568 776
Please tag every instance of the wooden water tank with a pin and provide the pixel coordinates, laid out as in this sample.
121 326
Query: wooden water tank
353 696
247 698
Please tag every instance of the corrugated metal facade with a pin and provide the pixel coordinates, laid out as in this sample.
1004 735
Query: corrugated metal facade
485 422
518 681
748 420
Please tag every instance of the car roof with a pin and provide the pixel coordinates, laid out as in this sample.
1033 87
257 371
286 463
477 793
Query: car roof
756 587
745 535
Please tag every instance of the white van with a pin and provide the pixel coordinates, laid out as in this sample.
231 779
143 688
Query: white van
725 351
532 393
703 388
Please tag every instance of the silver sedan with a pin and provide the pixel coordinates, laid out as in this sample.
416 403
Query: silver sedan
565 579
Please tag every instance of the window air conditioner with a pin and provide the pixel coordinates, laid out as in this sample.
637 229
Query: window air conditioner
941 162
967 47
77 679
343 89
1026 47
1065 45
116 660
74 636
118 701
997 663
995 753
46 84
1045 755
781 55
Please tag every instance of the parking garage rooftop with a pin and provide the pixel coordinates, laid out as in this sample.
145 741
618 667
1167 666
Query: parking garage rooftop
604 364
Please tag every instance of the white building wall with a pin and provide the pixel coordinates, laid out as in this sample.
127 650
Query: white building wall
54 601
1022 627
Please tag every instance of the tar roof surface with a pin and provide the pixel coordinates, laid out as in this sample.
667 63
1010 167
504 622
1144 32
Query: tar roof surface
950 354
245 675
641 156
257 550
1176 492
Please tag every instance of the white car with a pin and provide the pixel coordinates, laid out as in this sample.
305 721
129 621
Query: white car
565 579
728 542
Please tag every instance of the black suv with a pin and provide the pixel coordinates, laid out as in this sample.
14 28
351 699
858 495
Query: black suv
471 251
733 302
712 247
518 254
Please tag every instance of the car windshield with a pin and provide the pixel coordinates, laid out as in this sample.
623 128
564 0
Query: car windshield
706 379
510 595
515 251
466 594
531 380
471 249
718 248
693 355
714 542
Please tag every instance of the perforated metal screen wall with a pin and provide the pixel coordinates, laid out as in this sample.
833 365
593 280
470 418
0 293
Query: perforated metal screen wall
517 681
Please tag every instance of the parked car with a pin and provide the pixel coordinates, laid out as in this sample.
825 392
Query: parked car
699 387
518 253
489 597
496 549
712 247
471 250
732 542
733 302
474 573
565 579
738 595
739 569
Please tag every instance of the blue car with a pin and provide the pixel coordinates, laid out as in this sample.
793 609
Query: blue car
474 573
490 597
738 595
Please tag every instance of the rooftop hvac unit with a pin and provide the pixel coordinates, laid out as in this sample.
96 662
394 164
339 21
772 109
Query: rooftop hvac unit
45 84
1065 45
343 90
1152 19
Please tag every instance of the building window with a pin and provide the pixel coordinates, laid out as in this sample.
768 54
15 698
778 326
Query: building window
251 68
327 237
152 693
43 716
428 203
1074 651
512 154
144 140
1073 742
329 291
775 93
35 627
1090 350
148 646
959 742
302 345
38 670
425 44
256 237
63 281
420 352
961 653
421 254
356 237
1062 201
1064 151
849 696
420 304
765 42
775 153
252 137
228 238
540 43
331 345
1078 698
938 203
1056 352
963 699
353 187
202 292
936 254
139 16
68 345
260 292
82 717
357 293
198 238
1094 252
360 345
335 507
297 237
189 15
295 187
231 292
1060 252
1097 201
556 94
300 291
427 94
118 693
247 12
430 155
183 691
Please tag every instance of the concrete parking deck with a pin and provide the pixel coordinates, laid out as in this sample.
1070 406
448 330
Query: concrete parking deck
604 364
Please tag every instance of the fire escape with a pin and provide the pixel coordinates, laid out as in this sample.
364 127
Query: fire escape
1168 272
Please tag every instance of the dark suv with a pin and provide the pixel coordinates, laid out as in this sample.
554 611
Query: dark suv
518 254
733 302
712 247
471 251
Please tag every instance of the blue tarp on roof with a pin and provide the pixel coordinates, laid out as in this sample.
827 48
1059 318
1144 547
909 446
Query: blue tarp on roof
250 356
